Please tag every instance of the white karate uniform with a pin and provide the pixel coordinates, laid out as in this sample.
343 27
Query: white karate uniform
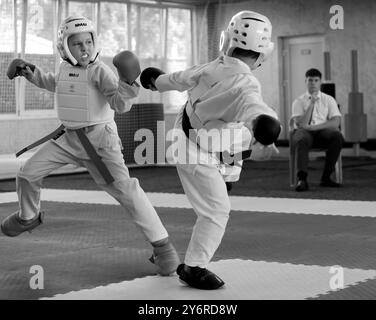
224 89
101 131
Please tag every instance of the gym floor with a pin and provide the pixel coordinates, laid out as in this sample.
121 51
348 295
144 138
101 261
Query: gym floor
279 244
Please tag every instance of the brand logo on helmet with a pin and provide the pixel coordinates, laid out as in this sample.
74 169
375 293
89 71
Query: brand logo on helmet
74 75
82 24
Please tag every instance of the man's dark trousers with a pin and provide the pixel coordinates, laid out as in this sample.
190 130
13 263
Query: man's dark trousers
329 139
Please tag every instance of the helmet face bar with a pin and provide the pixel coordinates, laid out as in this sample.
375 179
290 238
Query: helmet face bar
250 31
73 25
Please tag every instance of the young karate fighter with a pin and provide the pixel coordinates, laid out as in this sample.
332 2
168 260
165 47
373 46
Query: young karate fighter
221 94
87 94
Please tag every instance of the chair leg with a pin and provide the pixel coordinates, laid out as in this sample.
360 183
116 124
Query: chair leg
292 163
338 169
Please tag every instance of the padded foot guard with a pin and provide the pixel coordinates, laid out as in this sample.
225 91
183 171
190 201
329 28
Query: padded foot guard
166 259
13 225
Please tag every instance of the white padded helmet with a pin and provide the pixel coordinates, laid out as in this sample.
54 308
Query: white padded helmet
74 25
250 31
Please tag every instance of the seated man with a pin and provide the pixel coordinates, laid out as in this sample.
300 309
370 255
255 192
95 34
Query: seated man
316 119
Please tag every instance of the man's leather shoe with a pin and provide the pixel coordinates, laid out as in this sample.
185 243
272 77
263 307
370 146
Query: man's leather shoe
302 185
329 183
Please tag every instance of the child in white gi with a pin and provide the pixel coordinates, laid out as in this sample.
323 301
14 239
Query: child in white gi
223 92
87 94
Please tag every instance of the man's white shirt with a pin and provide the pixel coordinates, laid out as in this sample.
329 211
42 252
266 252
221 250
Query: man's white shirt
325 108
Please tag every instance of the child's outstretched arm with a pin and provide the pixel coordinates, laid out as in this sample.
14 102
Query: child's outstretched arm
19 67
262 121
153 78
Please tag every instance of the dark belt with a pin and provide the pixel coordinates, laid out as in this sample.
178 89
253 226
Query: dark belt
224 156
53 135
98 162
106 174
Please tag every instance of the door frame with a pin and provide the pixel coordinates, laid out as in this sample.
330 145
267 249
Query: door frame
284 72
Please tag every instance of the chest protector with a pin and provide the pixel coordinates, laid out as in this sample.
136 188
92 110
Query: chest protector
79 102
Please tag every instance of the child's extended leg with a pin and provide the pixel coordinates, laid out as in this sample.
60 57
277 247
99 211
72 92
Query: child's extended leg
29 182
131 196
206 190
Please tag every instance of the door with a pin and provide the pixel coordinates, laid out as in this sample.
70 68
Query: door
299 54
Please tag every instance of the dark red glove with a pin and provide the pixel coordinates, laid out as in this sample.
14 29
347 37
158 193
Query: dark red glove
16 66
127 65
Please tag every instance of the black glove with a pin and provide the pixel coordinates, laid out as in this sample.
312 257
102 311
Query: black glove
148 77
266 129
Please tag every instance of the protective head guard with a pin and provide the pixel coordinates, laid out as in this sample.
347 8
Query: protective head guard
248 30
74 25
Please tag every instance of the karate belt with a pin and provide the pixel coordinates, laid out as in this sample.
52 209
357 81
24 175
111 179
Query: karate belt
93 155
223 156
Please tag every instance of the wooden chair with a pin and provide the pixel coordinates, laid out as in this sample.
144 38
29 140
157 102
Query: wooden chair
293 159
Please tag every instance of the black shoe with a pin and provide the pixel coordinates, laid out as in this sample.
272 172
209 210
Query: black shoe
302 185
329 183
228 186
199 278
